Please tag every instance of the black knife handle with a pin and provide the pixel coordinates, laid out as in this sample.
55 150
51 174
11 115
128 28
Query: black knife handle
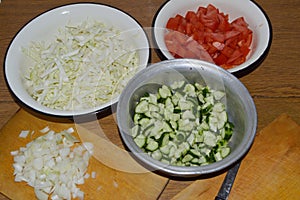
228 183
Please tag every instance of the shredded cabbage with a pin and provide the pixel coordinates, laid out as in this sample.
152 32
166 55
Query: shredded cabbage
87 65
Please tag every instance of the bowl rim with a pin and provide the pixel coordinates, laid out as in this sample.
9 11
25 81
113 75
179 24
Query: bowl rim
97 110
178 171
239 72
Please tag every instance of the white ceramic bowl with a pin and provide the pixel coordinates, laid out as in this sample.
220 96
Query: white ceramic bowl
253 14
45 26
239 105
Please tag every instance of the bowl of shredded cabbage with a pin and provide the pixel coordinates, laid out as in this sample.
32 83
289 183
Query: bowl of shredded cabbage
75 59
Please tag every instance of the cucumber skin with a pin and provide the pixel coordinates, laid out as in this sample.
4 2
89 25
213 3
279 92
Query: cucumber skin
198 107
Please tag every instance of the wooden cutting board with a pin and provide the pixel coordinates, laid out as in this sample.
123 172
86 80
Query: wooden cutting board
108 184
271 170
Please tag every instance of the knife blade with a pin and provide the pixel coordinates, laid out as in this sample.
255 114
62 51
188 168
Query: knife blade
228 183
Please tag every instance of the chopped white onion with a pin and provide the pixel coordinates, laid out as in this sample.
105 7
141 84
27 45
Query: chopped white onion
53 165
93 175
24 134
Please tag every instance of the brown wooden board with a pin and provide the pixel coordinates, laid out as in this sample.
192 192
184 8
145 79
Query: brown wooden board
108 184
271 170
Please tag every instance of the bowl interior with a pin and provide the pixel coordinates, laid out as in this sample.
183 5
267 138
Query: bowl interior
253 15
239 105
44 28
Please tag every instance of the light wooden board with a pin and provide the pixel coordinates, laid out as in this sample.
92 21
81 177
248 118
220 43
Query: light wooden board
108 184
271 170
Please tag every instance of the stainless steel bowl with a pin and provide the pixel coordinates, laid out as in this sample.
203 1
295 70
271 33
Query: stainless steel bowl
239 104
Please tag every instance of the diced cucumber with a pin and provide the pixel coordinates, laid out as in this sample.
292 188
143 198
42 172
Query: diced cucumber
190 139
195 153
225 151
184 124
169 105
218 95
199 138
188 114
167 127
142 107
209 138
135 131
153 107
152 145
180 136
174 125
218 156
157 155
140 140
199 87
144 122
176 97
185 105
190 90
177 85
164 92
153 99
187 158
164 139
165 149
136 118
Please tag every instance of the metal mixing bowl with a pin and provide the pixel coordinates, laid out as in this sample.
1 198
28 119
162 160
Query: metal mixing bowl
239 104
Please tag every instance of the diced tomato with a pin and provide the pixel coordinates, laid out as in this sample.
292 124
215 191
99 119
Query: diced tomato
212 12
245 50
207 34
234 56
199 37
209 22
220 59
172 24
191 16
248 40
189 28
201 11
224 25
219 37
240 22
231 34
227 51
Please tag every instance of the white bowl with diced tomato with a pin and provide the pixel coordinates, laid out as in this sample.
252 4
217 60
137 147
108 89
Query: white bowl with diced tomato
235 35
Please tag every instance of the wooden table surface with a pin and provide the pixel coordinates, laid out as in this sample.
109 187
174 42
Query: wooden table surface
274 85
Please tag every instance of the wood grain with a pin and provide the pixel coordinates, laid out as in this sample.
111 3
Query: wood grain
110 181
274 85
269 171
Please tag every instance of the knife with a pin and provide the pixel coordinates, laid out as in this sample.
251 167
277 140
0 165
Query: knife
228 183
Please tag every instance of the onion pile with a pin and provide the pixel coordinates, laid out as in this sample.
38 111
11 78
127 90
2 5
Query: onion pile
53 164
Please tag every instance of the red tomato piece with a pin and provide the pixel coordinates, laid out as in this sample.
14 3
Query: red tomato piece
201 11
207 34
245 50
224 25
199 51
189 28
199 37
234 56
220 59
227 51
172 24
191 16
